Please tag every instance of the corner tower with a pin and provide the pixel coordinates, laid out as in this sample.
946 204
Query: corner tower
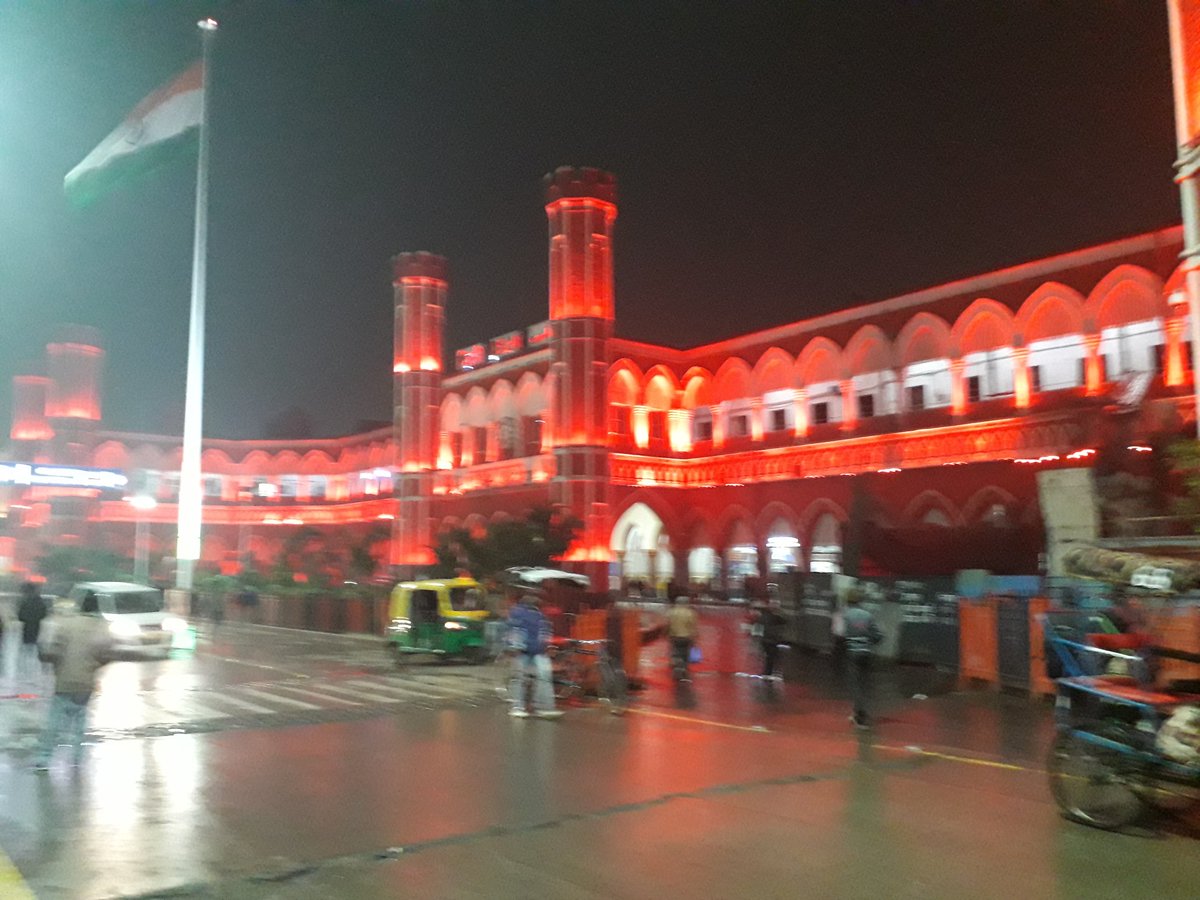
419 291
581 205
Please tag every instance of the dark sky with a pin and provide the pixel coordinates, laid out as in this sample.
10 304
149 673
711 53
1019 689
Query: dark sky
775 160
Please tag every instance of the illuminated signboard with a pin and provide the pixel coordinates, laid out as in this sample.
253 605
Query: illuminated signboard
508 344
469 358
538 334
32 475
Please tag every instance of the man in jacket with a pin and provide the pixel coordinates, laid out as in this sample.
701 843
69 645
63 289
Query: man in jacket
529 636
79 646
30 612
682 629
861 636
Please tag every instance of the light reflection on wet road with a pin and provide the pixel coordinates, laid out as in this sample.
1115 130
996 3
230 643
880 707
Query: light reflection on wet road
454 799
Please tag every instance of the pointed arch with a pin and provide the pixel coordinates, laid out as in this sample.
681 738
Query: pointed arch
772 372
979 506
624 382
984 325
736 522
869 350
216 462
1053 310
502 403
819 361
697 388
661 388
1126 294
451 412
475 411
773 512
923 337
921 505
111 455
732 381
531 395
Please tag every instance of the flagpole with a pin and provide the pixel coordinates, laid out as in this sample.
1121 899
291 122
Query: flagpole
191 495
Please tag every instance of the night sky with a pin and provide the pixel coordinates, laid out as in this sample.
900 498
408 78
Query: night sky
774 161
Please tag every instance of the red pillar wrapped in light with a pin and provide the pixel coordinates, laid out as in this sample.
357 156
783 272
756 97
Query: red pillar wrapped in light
679 424
1175 364
800 409
419 286
849 406
958 388
1093 377
581 209
1022 390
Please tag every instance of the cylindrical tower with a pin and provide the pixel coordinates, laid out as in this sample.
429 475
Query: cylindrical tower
29 424
73 361
581 205
419 287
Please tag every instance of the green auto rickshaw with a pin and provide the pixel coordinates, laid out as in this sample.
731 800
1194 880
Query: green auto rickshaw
442 616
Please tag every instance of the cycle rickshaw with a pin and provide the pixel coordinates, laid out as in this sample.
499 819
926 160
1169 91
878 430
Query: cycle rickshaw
1108 765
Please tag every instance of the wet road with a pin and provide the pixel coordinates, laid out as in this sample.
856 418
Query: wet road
732 788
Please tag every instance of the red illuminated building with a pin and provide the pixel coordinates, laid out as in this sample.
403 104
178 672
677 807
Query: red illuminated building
917 424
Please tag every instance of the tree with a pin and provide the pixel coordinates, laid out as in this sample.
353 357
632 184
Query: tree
67 565
544 535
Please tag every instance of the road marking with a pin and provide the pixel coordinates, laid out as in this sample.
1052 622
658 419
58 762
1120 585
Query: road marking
242 662
245 705
357 692
951 757
187 708
319 696
402 690
275 698
12 885
757 729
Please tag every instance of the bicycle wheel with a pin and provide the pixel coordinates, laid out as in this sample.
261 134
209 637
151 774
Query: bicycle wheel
1092 784
613 687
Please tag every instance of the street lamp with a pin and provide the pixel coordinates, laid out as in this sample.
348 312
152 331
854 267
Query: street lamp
143 503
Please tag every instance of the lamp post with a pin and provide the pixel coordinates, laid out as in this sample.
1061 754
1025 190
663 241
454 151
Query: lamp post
1184 22
143 503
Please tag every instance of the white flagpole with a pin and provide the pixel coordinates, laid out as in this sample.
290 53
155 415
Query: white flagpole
191 496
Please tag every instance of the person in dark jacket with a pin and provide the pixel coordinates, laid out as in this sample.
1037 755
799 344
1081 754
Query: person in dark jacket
30 612
529 635
861 635
769 629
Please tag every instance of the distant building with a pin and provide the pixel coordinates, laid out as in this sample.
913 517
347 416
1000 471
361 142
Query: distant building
930 410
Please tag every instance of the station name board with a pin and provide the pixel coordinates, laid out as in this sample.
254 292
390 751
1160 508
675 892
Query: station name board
34 475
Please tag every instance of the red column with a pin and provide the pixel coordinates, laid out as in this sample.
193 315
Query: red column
581 209
419 285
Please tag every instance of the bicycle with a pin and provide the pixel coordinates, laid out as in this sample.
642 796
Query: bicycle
585 666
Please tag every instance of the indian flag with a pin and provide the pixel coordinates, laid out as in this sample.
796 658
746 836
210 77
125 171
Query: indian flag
161 127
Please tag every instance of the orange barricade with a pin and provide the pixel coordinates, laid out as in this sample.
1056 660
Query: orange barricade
631 643
977 640
1040 683
591 625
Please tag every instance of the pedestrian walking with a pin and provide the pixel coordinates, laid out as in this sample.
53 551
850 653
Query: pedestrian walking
769 629
529 634
77 648
31 610
861 635
683 627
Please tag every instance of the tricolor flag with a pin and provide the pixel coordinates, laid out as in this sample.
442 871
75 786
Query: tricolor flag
162 126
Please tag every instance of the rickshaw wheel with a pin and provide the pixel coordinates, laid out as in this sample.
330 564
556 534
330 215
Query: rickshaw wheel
1088 784
399 657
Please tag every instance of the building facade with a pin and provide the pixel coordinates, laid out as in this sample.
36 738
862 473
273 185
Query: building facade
906 433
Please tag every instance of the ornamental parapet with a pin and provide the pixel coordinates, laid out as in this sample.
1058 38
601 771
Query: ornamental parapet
1019 440
493 475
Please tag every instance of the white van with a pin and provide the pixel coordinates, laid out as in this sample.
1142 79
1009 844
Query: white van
135 616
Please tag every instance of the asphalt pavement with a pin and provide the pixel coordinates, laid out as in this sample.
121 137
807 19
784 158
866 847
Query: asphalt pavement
730 786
